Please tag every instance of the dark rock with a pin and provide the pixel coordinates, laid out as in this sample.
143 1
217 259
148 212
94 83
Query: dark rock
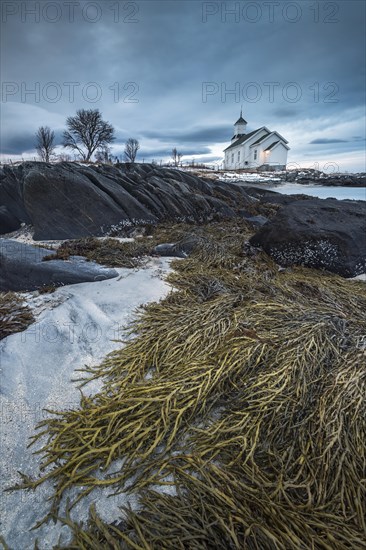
11 191
181 249
256 221
273 197
310 176
73 201
70 200
169 250
324 234
8 222
22 268
259 192
282 199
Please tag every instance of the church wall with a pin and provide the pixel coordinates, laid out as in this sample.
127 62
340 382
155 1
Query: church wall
278 155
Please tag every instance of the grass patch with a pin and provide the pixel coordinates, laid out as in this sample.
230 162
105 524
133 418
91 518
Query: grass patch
14 315
245 390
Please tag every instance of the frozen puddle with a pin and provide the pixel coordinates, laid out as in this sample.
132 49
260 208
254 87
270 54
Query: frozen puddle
75 326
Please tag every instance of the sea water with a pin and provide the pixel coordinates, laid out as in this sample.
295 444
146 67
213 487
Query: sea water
321 191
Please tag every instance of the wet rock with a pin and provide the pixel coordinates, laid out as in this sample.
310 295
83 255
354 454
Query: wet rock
22 268
180 249
8 222
71 200
324 234
255 221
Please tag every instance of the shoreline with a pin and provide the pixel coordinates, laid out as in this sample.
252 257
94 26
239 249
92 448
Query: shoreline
206 321
319 190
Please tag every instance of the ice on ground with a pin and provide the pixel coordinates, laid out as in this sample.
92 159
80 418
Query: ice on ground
361 277
249 177
25 235
75 326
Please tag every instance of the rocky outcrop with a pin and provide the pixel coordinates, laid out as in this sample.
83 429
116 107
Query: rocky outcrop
22 268
71 200
266 196
11 199
181 249
311 176
8 222
325 234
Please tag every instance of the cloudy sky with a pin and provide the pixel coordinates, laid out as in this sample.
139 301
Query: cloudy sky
175 73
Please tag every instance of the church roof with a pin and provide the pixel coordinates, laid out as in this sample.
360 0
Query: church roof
262 138
272 145
270 134
240 121
242 139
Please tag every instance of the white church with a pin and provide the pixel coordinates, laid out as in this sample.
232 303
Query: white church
260 149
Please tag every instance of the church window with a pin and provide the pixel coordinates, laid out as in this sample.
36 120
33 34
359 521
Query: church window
255 154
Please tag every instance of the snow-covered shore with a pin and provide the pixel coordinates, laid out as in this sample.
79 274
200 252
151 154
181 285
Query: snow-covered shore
25 235
77 325
250 177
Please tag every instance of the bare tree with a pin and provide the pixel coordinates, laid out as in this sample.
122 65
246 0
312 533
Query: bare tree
176 157
45 142
131 148
87 129
64 157
104 155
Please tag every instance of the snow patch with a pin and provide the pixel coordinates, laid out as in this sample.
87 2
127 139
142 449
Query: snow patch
75 326
254 177
361 277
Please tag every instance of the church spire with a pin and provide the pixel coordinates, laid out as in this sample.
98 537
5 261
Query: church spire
240 119
239 126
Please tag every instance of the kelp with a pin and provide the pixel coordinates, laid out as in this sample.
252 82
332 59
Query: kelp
237 409
116 252
109 252
15 316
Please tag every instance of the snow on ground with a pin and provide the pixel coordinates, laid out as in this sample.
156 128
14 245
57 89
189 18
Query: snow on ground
249 177
25 235
361 277
75 326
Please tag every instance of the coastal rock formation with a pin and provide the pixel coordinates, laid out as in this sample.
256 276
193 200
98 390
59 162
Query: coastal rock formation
71 200
180 249
324 234
22 268
8 222
273 197
13 211
311 175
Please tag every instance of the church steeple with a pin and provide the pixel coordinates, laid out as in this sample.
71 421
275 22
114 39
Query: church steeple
239 126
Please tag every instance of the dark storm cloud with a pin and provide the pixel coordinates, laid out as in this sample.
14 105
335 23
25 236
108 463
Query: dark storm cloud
286 113
18 144
181 71
158 153
203 135
325 141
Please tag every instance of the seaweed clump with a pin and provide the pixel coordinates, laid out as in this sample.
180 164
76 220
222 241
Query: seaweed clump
109 252
238 409
14 315
114 252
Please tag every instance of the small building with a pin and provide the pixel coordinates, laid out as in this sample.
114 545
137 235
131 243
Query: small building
260 149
